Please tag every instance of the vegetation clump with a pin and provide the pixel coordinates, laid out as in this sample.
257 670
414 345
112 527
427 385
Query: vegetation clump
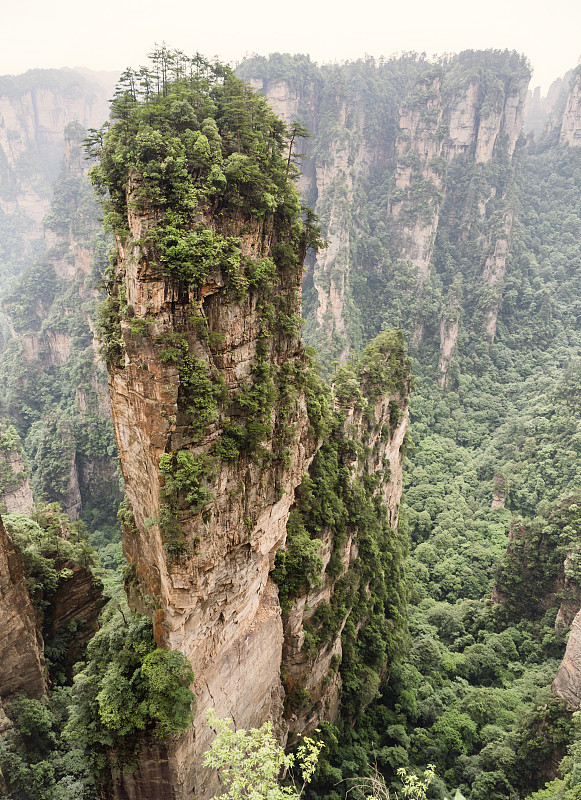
128 690
338 499
250 762
192 145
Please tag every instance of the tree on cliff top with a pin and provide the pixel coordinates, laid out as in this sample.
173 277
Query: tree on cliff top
188 137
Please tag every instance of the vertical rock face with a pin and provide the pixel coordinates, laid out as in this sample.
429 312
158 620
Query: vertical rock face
567 683
213 599
439 123
404 146
217 413
284 100
418 179
571 125
15 491
215 405
311 674
21 644
334 167
495 270
49 310
78 598
35 108
72 603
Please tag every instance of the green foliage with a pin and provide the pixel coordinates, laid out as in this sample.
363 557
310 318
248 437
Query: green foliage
250 762
468 694
299 565
48 372
37 761
22 304
201 390
384 367
50 544
338 499
190 256
541 555
188 136
127 690
109 331
184 476
567 786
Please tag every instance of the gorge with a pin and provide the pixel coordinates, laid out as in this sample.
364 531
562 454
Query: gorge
262 522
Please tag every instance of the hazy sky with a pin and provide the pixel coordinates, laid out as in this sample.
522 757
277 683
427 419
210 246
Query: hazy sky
113 34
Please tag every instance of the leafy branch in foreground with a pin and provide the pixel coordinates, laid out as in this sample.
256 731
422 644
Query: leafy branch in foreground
373 786
249 762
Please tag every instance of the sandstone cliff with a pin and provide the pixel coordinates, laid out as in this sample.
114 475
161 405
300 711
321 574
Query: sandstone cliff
50 309
476 121
21 642
342 153
571 125
217 414
206 584
567 683
398 134
365 444
35 108
15 491
202 566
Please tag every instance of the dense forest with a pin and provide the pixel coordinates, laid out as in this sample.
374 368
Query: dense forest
452 621
493 452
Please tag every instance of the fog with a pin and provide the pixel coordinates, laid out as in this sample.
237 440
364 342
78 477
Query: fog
111 35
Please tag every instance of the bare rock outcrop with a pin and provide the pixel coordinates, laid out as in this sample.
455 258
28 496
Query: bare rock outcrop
21 642
78 598
571 125
35 108
468 112
54 336
16 494
217 413
567 683
206 584
312 677
438 124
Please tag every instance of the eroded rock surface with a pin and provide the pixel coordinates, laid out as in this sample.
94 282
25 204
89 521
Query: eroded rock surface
443 125
34 110
213 600
567 683
571 125
316 675
21 643
17 494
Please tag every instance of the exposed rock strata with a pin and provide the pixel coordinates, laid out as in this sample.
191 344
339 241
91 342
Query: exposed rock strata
21 643
78 598
567 683
55 341
210 595
417 148
330 180
215 601
440 126
317 676
571 125
34 111
438 122
17 494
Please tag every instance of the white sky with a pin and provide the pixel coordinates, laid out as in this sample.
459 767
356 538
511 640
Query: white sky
114 34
